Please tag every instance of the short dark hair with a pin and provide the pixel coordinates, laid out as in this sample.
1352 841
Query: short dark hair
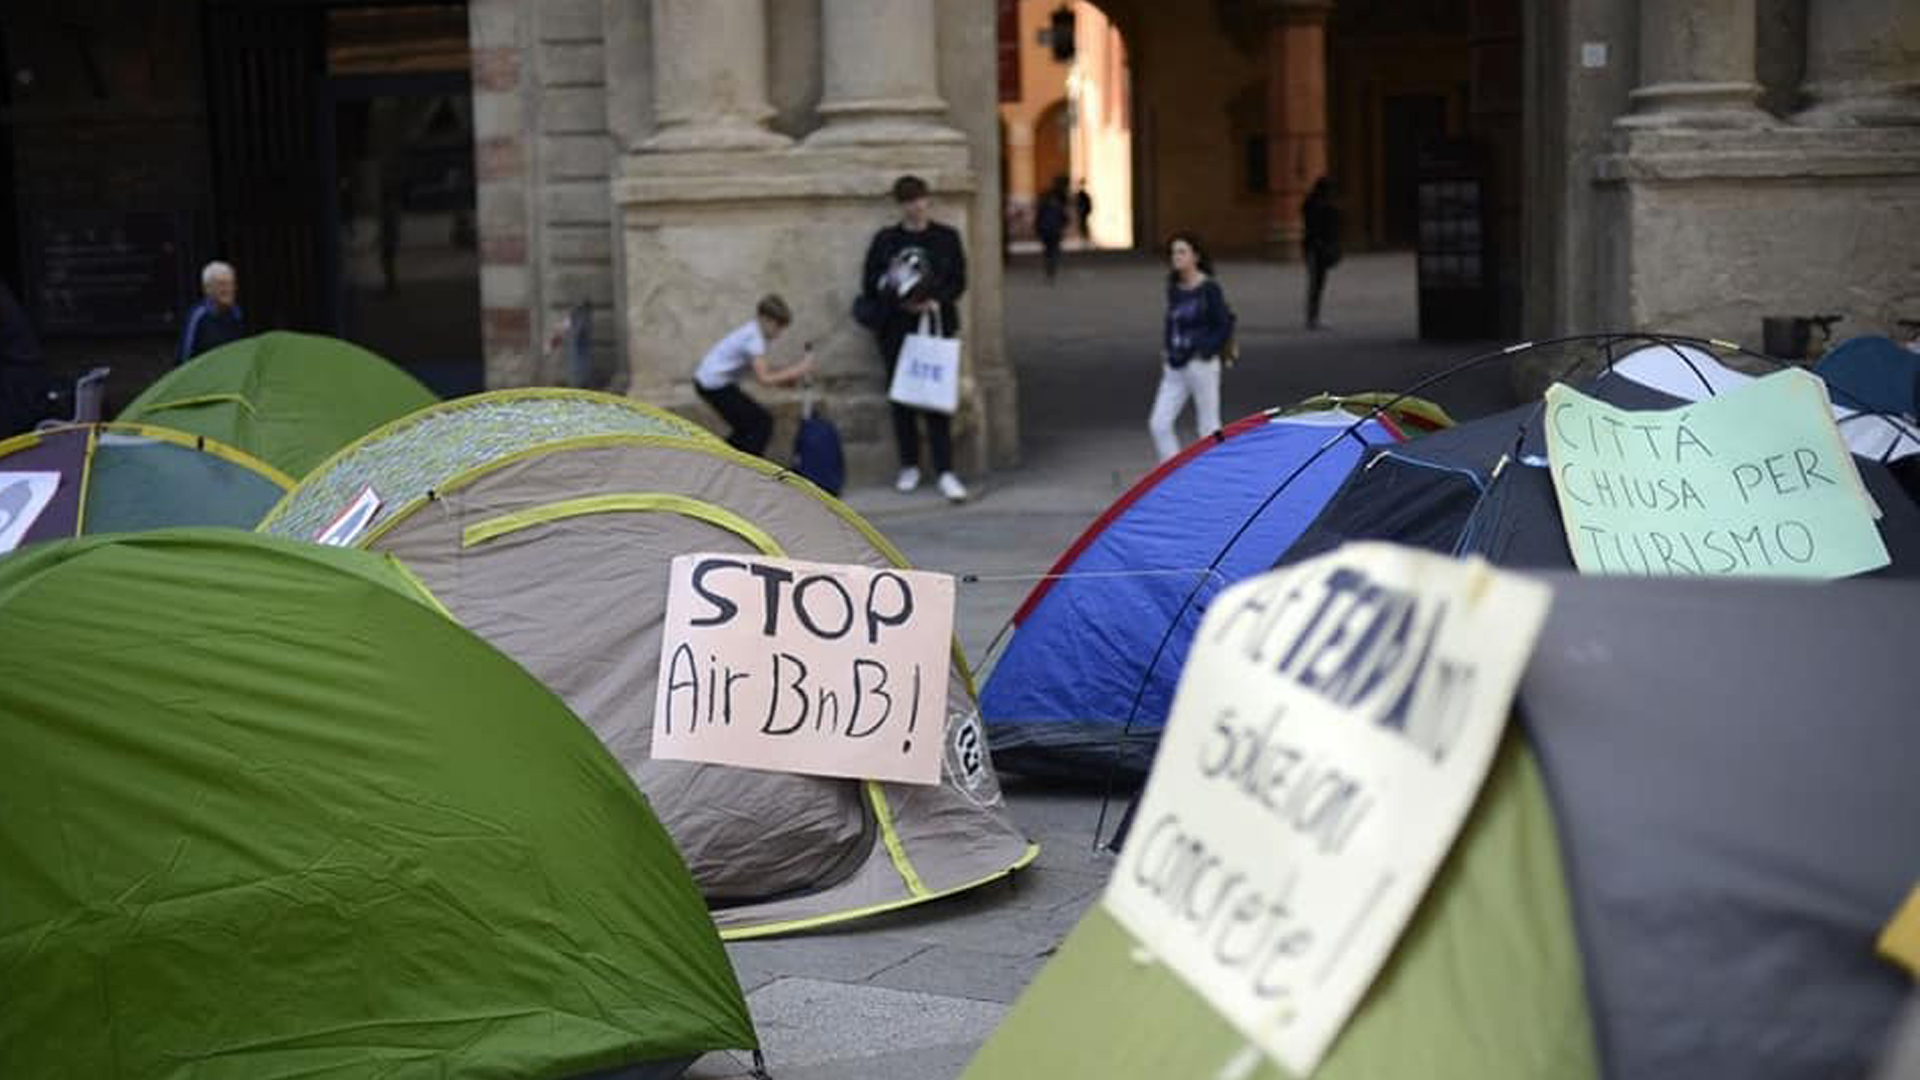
909 188
772 307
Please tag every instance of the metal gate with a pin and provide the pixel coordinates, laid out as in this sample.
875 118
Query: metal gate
264 69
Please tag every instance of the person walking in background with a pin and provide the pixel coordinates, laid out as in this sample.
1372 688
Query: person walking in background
744 350
1083 211
1050 224
1199 325
217 318
1319 244
914 269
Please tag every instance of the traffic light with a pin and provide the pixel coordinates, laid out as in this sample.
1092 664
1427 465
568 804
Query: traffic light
1060 33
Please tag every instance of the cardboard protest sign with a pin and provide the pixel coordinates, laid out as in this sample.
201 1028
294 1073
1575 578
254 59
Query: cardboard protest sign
805 667
1332 727
1756 481
23 496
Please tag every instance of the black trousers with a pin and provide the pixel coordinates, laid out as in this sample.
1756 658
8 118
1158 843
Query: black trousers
752 426
906 430
1316 284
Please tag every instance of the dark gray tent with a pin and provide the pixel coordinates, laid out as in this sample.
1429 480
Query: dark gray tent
1731 765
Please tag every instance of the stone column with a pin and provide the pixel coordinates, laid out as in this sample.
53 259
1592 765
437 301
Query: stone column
1863 63
881 75
710 76
1296 113
1696 65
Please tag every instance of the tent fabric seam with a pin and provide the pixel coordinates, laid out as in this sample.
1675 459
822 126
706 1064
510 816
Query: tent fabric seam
204 399
623 502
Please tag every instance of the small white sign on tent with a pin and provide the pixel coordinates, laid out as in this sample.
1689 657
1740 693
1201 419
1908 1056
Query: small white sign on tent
1332 727
23 498
804 667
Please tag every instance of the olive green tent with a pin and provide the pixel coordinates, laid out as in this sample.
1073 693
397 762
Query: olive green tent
288 399
546 520
129 477
268 812
1485 982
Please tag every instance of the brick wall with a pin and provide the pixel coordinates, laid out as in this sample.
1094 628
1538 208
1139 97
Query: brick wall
543 159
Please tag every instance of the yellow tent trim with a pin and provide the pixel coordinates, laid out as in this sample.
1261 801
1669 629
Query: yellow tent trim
234 455
203 444
86 482
1900 941
745 933
1370 403
896 850
623 502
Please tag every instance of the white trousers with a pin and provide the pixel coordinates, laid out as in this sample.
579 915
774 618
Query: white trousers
1200 380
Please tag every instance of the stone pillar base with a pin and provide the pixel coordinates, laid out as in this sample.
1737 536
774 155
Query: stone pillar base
1695 105
1883 106
1707 232
704 235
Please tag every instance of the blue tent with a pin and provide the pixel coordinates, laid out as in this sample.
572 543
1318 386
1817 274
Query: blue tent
1085 682
1873 374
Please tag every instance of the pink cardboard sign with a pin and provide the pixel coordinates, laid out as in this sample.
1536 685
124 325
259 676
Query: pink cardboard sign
804 667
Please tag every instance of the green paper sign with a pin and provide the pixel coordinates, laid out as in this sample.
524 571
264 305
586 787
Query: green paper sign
1752 482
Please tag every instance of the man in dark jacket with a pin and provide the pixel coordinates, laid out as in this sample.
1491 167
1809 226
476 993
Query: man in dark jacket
916 270
215 320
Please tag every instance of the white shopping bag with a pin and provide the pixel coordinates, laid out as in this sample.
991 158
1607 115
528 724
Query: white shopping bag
928 374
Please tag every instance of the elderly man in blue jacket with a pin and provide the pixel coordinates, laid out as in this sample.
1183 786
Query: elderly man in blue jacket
216 319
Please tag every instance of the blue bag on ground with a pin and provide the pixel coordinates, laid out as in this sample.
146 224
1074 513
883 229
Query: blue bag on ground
816 451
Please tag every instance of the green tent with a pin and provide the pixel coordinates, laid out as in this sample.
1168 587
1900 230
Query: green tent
288 399
1485 983
129 477
265 811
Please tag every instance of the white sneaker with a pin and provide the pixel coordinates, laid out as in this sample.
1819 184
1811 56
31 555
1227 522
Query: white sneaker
909 479
952 488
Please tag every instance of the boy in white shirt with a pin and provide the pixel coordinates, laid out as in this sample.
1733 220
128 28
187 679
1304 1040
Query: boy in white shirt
716 379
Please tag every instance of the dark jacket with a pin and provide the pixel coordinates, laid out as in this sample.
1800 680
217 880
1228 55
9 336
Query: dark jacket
943 274
1050 220
1320 228
209 328
1198 322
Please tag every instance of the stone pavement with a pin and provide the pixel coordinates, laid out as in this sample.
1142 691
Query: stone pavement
909 996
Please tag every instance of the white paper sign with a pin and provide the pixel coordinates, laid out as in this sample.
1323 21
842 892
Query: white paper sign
344 529
805 667
1332 727
23 496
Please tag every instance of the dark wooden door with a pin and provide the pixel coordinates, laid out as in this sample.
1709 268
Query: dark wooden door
264 66
1408 123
